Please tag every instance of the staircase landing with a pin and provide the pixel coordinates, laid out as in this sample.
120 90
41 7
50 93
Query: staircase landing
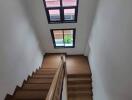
77 64
51 60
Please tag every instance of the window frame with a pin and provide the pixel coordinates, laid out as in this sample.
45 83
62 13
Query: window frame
61 8
53 38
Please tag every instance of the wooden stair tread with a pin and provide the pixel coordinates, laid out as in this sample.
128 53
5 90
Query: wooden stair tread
80 98
79 93
30 95
34 80
79 87
47 70
78 75
79 82
36 87
44 73
42 76
78 79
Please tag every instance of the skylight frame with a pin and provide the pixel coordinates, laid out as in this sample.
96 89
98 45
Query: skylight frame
53 38
61 8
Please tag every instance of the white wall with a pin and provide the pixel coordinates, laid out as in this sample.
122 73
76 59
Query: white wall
111 50
19 48
83 27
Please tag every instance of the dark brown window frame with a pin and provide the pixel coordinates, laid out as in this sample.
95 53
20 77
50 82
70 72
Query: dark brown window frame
61 8
53 39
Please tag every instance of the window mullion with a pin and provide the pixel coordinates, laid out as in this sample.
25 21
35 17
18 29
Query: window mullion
63 38
76 13
61 11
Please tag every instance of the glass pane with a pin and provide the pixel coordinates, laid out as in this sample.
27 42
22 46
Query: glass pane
52 3
69 14
54 15
68 38
58 35
69 2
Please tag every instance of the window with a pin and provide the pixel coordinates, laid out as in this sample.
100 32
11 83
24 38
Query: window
63 38
61 11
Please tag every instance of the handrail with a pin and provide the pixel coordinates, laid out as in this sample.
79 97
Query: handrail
56 86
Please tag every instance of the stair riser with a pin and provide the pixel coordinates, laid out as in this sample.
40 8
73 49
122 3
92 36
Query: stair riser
42 76
79 89
79 76
39 81
42 73
35 88
29 95
42 68
79 94
49 70
78 82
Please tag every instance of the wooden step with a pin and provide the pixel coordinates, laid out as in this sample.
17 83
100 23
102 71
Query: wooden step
39 81
44 87
48 69
44 73
79 93
80 98
79 81
42 76
78 75
29 95
43 68
80 87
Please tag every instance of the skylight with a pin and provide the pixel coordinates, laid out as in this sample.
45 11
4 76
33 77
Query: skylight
61 11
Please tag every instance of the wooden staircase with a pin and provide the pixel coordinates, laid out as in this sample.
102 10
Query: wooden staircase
46 83
36 86
79 80
79 87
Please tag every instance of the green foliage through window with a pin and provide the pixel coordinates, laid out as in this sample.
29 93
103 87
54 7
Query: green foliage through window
68 39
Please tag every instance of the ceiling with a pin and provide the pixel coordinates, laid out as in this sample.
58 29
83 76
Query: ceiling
86 13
